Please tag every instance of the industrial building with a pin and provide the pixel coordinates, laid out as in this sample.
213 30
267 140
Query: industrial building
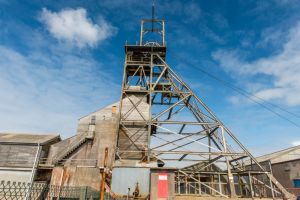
285 166
160 141
72 159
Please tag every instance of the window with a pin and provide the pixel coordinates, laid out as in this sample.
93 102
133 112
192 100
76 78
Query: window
296 183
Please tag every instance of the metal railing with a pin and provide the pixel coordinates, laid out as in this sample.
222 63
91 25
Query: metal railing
73 162
216 188
43 191
44 162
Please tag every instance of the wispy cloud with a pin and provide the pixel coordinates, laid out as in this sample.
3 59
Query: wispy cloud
41 93
74 27
296 143
45 86
192 10
282 69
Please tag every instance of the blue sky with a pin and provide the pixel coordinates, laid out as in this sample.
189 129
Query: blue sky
62 60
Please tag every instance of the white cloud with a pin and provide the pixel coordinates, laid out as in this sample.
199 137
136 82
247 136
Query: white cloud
73 26
296 143
192 10
283 69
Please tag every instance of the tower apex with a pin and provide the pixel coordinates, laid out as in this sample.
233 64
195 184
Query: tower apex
152 30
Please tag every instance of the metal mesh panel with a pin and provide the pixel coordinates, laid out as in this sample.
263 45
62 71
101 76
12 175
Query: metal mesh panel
41 191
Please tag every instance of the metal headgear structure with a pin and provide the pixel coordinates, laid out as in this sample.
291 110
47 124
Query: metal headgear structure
163 121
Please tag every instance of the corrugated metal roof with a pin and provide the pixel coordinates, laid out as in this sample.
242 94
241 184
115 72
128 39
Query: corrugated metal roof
284 155
24 138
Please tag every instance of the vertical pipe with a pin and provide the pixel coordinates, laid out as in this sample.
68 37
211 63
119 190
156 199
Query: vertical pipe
33 170
103 175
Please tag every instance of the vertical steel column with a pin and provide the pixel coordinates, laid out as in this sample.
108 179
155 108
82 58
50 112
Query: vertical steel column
251 186
150 108
271 184
199 183
163 33
178 183
186 186
120 107
240 185
209 147
229 174
220 185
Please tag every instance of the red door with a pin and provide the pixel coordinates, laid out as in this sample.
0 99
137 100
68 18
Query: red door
162 186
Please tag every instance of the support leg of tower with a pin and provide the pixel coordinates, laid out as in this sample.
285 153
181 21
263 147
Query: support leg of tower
231 186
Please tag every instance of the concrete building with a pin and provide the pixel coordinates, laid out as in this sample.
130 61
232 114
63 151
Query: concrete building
285 166
77 161
20 152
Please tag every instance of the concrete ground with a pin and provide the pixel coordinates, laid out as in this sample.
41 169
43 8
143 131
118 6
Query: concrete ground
186 197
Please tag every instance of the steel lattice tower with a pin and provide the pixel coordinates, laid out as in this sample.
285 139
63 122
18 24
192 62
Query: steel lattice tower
163 121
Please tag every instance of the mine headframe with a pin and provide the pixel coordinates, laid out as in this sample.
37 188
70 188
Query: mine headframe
163 121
